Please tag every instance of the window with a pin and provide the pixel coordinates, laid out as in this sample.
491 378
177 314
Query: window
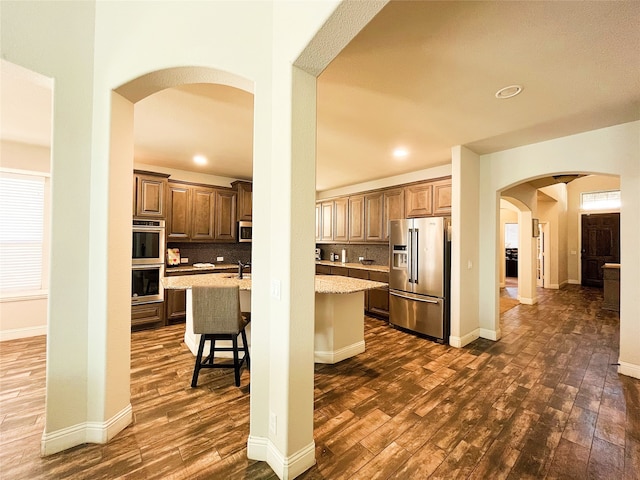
511 235
604 200
21 233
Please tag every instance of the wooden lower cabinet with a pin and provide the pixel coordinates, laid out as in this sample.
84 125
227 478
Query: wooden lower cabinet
323 270
147 315
379 298
175 306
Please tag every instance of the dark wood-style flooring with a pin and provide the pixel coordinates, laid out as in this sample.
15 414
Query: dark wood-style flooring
544 402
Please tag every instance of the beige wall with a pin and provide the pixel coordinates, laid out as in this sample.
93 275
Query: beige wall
574 189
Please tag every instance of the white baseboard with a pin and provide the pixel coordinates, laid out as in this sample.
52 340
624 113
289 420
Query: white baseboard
629 369
553 286
257 448
15 333
87 432
288 468
336 356
460 342
494 335
573 282
527 301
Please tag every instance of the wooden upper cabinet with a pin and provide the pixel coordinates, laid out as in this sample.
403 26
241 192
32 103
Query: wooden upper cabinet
341 220
374 217
418 200
245 200
326 211
178 225
393 208
225 226
318 222
202 213
149 194
356 218
442 197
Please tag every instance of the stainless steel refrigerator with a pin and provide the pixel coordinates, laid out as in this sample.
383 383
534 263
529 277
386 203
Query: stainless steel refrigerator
419 275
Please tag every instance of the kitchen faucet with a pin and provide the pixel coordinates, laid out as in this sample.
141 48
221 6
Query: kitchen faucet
241 267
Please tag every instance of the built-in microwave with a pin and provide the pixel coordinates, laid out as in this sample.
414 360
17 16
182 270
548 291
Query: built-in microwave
148 247
244 232
146 283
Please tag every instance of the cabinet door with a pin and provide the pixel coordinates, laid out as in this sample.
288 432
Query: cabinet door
178 225
245 201
418 200
374 217
323 270
343 271
364 274
318 222
147 315
393 208
149 196
326 235
175 305
379 298
442 197
341 220
225 216
356 218
202 213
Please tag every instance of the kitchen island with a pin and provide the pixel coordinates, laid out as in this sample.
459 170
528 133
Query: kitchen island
339 311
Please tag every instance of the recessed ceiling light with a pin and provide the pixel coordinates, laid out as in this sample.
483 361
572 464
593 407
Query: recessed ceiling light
508 92
200 159
400 152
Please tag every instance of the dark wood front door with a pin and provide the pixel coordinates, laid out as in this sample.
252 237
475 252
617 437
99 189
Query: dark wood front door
600 245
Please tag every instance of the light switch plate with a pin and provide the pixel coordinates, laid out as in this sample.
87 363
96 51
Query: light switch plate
184 260
219 259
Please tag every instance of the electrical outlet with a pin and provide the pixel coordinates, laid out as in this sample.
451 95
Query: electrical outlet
360 259
184 260
219 259
275 288
273 423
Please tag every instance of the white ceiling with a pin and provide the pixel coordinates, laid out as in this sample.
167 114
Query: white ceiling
422 75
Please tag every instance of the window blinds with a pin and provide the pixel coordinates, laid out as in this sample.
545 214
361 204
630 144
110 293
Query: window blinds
21 232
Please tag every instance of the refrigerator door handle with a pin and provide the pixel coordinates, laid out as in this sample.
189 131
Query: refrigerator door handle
410 259
415 255
424 300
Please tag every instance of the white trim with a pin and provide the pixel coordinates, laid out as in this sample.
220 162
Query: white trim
573 282
19 171
87 432
494 335
24 296
15 333
290 467
459 342
336 356
527 301
257 448
629 369
553 286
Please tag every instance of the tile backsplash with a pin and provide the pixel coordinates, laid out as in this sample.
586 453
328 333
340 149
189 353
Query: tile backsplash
208 252
378 253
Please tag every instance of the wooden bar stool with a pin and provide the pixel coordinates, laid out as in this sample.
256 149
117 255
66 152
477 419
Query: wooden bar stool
217 316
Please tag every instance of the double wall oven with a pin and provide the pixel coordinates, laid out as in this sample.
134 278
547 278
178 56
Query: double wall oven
147 261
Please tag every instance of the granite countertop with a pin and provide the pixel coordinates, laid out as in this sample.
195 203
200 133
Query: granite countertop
323 283
355 266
